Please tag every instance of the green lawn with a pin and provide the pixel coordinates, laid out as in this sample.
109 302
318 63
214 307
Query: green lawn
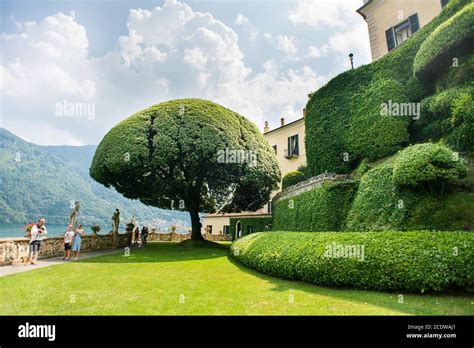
166 279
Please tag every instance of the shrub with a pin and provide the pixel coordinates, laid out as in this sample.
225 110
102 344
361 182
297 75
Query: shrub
378 203
381 204
452 39
403 261
427 163
292 178
447 116
320 209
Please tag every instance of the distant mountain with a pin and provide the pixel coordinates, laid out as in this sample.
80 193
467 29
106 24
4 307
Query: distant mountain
42 181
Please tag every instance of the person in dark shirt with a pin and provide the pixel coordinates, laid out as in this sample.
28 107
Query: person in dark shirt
144 235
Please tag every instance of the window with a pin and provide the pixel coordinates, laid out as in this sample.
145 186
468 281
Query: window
401 32
293 148
275 149
209 229
250 229
444 3
226 229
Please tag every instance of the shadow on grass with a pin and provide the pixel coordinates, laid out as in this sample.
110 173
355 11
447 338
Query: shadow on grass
155 252
383 299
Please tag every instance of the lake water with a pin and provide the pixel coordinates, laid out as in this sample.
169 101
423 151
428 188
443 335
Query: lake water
16 230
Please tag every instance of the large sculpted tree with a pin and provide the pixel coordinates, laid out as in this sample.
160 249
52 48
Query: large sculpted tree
188 154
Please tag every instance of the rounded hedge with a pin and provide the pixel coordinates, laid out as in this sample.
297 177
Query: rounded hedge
403 261
424 163
292 178
452 39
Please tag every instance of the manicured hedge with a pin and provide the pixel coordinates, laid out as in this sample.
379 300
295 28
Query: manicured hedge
452 39
447 116
292 178
320 209
379 204
427 163
338 112
260 224
403 261
404 199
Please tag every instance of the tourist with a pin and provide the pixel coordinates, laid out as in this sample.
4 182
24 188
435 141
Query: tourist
37 232
144 234
136 235
68 237
76 247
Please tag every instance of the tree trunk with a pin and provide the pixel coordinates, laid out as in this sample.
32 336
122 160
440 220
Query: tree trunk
195 224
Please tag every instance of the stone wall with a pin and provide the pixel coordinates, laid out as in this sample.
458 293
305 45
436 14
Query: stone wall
16 249
178 237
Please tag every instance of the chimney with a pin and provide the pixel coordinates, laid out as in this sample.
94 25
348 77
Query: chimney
266 129
282 121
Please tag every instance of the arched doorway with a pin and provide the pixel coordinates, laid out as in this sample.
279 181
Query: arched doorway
238 230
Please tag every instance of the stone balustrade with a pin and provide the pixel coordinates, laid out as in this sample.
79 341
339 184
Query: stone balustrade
310 184
16 249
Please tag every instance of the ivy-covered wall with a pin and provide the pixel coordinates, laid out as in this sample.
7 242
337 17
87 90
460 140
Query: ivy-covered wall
260 224
321 209
344 124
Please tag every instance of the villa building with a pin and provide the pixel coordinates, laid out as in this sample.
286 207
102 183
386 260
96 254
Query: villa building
288 143
391 22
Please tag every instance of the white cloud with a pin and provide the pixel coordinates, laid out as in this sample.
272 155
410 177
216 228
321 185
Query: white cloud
325 12
348 31
241 19
169 52
283 43
317 52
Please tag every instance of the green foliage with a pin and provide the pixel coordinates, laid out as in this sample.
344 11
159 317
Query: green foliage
379 204
404 261
427 163
259 224
292 178
460 75
373 135
174 151
320 209
304 169
452 39
342 115
95 228
188 151
453 211
447 116
361 169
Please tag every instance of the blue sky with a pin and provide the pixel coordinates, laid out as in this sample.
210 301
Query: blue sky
259 58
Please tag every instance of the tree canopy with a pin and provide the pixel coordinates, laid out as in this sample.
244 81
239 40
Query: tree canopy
188 154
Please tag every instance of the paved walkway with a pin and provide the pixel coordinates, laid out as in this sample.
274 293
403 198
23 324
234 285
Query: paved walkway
20 267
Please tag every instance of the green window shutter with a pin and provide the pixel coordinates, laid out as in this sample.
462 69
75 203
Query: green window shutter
414 23
296 150
289 147
390 36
